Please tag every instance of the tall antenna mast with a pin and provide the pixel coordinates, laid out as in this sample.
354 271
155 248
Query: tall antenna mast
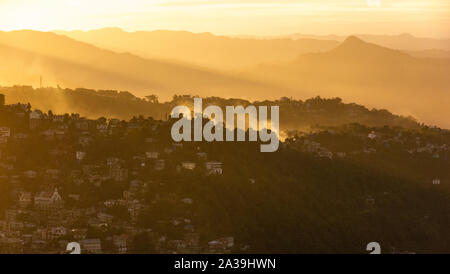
40 82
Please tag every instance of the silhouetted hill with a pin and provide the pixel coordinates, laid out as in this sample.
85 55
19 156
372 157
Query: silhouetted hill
66 62
294 114
404 41
353 48
204 49
372 75
355 70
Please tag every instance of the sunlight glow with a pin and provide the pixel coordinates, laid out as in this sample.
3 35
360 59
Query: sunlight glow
259 17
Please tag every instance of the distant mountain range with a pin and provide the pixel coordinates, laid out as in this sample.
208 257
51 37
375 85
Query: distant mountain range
354 70
227 53
415 46
27 55
404 41
204 49
430 53
369 74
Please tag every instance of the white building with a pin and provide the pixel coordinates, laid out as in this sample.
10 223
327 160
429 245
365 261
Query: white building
56 232
121 243
202 155
372 135
160 165
221 244
35 119
152 155
91 246
80 155
323 153
5 132
30 174
48 200
214 168
24 199
35 115
188 165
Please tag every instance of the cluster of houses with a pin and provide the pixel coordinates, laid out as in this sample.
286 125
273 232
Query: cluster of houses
52 193
45 209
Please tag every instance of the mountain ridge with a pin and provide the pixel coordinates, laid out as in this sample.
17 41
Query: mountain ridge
369 74
204 49
143 76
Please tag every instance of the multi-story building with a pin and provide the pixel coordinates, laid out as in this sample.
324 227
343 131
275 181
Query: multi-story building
48 200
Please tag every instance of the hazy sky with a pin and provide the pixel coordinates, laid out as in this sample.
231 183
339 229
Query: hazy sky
258 17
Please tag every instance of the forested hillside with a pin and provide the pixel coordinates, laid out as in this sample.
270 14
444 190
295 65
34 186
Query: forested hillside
294 114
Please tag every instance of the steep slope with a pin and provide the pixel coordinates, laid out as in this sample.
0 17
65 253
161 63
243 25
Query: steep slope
430 53
64 61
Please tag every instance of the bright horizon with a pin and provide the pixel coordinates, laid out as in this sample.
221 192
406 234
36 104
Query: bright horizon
422 18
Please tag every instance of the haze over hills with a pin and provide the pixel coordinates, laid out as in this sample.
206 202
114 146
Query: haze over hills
430 53
294 114
404 41
372 75
415 46
203 49
27 55
355 70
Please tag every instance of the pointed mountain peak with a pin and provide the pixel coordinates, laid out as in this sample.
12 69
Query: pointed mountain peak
352 40
353 44
354 47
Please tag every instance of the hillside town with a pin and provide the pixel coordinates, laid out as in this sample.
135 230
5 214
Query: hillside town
48 209
109 184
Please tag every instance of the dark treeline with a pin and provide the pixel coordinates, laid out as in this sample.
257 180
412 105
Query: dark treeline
294 114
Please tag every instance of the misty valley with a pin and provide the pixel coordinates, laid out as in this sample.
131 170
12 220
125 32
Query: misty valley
155 141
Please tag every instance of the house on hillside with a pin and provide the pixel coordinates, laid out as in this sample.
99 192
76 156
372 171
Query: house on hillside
213 168
46 200
188 165
91 246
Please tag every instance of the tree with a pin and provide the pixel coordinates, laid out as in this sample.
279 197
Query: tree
141 244
152 98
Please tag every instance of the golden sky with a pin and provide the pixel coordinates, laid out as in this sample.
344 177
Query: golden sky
258 17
